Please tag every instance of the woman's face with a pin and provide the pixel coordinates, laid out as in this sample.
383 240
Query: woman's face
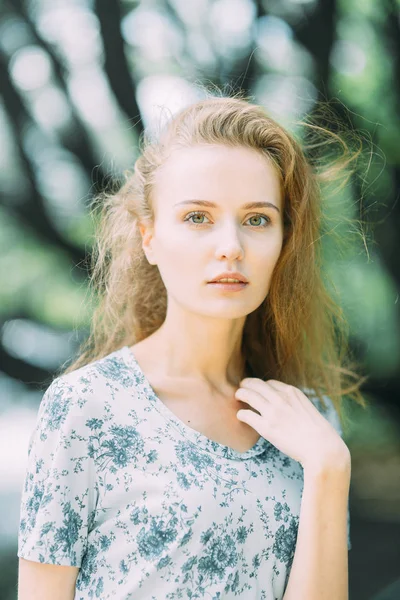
192 244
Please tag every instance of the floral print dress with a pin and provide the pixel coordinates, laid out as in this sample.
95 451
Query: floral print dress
147 507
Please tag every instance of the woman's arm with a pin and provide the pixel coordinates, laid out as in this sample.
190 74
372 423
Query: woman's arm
320 563
40 581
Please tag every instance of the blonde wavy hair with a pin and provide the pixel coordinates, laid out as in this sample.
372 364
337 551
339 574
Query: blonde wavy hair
299 333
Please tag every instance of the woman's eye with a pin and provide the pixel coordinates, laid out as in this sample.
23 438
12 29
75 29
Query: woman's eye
267 219
194 214
201 214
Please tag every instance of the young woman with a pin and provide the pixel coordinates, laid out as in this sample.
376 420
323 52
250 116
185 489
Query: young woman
194 449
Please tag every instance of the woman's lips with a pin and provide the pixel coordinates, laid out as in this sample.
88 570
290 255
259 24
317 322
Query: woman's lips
234 287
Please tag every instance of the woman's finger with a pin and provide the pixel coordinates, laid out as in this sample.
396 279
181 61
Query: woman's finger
253 398
271 390
253 419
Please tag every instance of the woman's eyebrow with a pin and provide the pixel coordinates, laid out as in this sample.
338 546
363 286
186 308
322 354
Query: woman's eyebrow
249 205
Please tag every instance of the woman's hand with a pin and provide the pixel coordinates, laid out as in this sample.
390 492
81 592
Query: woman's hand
290 421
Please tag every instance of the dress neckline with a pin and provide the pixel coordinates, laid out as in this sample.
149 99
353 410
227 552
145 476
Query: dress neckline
198 438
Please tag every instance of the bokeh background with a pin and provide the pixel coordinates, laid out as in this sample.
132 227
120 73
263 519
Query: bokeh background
79 80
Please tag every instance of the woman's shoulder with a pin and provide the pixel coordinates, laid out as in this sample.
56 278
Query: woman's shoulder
97 374
84 391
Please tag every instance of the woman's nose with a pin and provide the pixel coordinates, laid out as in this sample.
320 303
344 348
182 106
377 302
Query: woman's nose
229 244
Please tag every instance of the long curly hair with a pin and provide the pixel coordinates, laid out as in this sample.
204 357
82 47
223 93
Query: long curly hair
299 333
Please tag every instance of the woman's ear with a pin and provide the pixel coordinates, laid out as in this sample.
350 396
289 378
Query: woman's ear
146 231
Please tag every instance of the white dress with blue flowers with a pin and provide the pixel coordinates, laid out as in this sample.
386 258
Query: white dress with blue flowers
147 507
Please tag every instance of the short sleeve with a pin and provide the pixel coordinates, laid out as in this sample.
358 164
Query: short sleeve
332 416
59 491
